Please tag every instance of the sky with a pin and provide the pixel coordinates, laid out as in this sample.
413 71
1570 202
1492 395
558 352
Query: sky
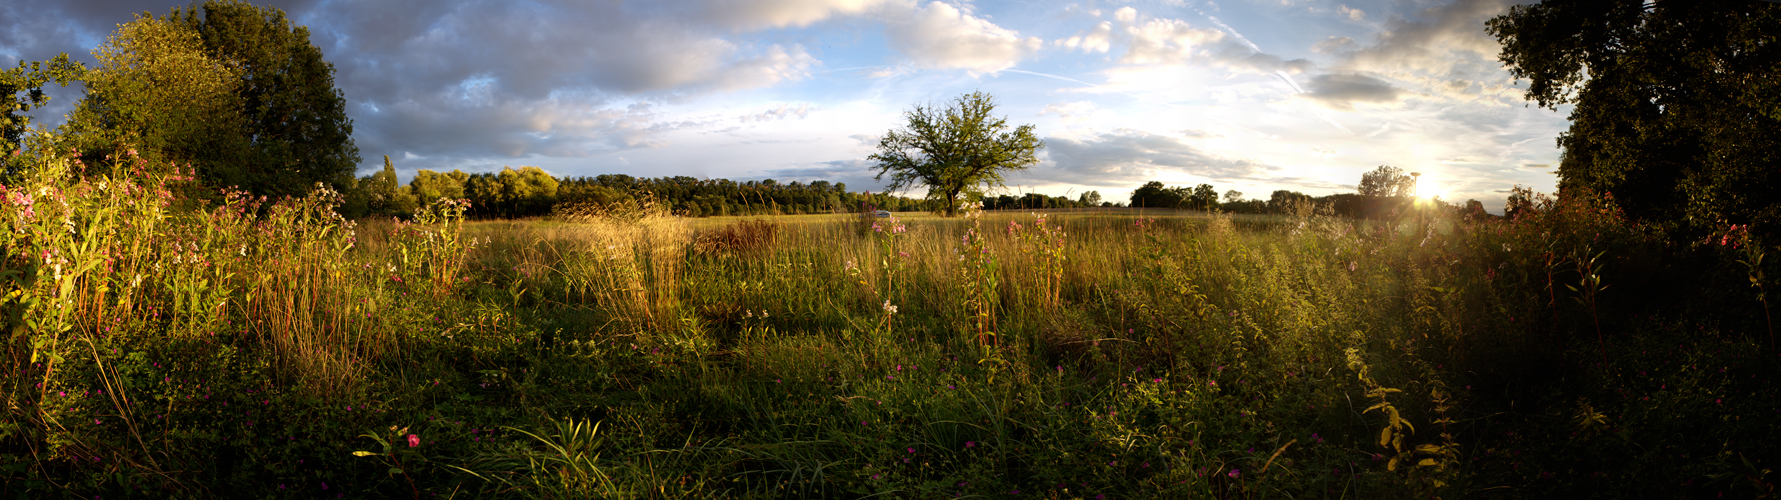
1245 95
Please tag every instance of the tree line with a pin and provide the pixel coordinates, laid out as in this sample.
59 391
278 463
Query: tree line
531 192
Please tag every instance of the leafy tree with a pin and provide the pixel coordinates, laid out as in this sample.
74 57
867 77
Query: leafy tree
296 121
428 185
1090 199
1204 197
488 197
530 189
384 193
1386 181
22 89
1677 105
1153 195
1233 196
158 91
956 152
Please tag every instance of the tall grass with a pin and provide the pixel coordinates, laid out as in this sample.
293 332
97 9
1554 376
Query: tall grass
250 347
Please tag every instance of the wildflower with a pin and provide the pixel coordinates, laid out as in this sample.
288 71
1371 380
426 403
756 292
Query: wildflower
850 266
888 308
1352 265
413 441
1234 473
970 444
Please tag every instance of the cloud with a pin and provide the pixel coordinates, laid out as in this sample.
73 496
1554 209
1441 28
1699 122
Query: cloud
1131 157
781 112
489 78
1443 49
1340 91
1150 41
1096 39
1070 112
758 14
939 35
1334 45
1351 13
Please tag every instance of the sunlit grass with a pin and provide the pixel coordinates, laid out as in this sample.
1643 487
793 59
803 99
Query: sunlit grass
249 349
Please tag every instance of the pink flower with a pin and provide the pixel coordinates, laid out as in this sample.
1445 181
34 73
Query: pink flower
413 440
1234 473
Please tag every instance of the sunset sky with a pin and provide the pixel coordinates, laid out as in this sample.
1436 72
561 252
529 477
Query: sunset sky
1250 95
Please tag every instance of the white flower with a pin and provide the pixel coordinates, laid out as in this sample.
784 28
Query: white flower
888 308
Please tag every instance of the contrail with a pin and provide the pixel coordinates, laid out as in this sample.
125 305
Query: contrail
1294 84
1073 80
1227 29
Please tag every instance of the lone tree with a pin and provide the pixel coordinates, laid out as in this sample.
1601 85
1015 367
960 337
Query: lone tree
957 151
1386 181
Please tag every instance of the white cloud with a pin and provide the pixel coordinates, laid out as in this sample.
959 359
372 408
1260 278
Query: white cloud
1150 41
1130 157
1071 112
1443 49
1341 91
757 14
1334 45
1096 39
940 35
1351 13
1165 41
780 112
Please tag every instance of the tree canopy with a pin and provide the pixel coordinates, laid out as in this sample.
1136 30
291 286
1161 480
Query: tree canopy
1387 181
1677 104
957 152
21 90
233 89
158 91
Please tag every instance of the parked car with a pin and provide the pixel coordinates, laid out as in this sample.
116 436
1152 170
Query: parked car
882 213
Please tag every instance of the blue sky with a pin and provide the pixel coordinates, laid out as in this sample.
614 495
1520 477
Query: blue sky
1246 95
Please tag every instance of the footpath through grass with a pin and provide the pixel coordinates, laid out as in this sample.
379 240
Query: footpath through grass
269 349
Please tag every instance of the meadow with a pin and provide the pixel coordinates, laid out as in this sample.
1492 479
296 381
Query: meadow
159 346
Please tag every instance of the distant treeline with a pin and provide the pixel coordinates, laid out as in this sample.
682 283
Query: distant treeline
532 192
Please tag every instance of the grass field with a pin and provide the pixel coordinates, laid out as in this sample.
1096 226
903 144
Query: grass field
273 350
